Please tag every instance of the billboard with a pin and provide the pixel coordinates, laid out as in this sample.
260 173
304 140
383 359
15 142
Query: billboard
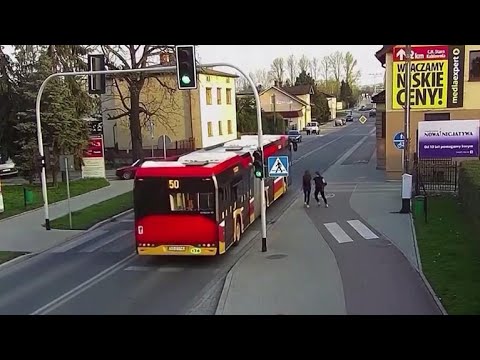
94 158
437 76
447 139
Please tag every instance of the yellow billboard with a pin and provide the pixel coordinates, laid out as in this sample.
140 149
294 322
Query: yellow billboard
429 78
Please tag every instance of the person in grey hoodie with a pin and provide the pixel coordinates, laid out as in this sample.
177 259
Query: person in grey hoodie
320 184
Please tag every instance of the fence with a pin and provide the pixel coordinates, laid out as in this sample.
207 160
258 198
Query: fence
435 175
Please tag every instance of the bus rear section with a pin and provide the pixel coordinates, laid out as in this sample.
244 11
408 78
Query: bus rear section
175 216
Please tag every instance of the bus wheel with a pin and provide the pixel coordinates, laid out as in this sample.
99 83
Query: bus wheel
238 231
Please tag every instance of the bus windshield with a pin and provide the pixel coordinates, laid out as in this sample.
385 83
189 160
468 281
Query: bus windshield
184 195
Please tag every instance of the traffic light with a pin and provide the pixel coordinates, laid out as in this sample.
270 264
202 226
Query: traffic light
96 83
186 67
257 164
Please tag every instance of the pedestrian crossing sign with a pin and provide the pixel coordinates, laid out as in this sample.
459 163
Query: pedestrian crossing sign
278 166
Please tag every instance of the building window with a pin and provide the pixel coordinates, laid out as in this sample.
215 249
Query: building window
437 116
229 96
228 80
272 99
229 126
475 65
219 96
220 129
209 129
208 78
209 96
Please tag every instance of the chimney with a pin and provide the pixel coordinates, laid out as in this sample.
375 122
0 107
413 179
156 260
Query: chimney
259 87
275 83
164 58
280 84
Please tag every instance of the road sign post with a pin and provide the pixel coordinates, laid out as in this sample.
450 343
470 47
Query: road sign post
399 140
159 69
278 166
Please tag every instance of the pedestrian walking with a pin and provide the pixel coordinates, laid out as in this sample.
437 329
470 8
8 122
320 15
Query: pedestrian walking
320 184
307 187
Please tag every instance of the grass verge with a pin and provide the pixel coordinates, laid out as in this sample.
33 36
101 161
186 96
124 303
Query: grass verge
86 218
450 253
9 255
14 199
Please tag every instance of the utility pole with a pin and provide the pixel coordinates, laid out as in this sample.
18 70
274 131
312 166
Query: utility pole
274 112
406 151
407 177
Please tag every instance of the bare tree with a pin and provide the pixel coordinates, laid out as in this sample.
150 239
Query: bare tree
132 106
352 75
241 84
292 68
337 61
304 64
314 68
325 68
262 77
278 69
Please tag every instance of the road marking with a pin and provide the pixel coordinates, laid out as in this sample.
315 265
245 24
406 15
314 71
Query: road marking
338 233
105 241
56 303
153 268
126 221
73 244
317 149
362 229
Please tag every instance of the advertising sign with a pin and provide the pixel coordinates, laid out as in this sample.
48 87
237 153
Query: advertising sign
447 139
93 158
437 74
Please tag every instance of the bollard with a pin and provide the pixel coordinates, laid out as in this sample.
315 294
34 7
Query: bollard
406 193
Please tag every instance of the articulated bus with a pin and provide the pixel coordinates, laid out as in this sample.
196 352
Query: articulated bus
202 203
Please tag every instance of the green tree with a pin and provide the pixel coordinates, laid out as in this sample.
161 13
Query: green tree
7 107
246 115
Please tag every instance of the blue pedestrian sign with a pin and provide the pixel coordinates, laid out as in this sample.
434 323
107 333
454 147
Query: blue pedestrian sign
399 141
278 166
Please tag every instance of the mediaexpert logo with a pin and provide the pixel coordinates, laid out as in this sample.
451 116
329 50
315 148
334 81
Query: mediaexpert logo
455 77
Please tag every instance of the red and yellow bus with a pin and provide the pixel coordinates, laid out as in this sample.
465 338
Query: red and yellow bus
202 203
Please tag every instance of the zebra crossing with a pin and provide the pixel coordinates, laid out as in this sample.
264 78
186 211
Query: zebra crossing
340 234
99 240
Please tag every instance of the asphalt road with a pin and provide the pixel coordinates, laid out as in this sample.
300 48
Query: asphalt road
99 273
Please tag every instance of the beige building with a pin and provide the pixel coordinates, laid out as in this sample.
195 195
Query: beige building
455 96
293 103
205 116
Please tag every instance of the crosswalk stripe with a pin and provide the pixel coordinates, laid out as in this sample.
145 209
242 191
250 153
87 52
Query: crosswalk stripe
107 240
364 231
338 233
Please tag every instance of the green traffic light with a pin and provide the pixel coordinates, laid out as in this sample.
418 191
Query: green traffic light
186 79
258 173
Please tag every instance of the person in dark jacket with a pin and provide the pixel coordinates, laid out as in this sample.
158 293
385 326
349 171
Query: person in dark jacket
307 187
320 184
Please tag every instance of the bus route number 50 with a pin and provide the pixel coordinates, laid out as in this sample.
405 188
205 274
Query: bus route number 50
173 184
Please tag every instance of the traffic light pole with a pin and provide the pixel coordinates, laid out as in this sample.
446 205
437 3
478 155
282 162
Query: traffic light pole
158 69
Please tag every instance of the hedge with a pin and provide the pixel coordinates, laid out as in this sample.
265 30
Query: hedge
469 188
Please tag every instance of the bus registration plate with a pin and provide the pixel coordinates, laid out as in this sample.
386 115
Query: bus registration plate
176 248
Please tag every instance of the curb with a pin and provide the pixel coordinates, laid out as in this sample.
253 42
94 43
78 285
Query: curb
72 238
420 270
228 279
15 260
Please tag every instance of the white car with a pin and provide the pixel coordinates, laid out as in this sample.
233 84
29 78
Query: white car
8 169
312 128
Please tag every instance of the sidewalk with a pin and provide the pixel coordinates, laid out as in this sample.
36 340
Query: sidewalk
297 276
25 232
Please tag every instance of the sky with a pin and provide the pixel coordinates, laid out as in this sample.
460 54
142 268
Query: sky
252 57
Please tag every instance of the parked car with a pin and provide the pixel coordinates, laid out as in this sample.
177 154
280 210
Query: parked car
8 169
295 136
349 117
372 113
128 172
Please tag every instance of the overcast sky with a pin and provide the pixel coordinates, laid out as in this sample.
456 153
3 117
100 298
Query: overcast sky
252 57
